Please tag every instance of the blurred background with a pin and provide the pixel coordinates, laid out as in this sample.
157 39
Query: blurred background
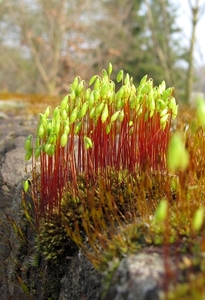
44 44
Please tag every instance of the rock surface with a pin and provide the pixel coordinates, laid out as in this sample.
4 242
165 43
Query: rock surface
76 278
138 277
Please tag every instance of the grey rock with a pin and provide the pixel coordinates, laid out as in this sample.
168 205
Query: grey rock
75 278
81 281
138 277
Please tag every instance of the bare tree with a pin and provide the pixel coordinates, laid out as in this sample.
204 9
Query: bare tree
46 43
50 35
161 20
197 11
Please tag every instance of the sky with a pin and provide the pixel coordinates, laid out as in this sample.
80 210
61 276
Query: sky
184 22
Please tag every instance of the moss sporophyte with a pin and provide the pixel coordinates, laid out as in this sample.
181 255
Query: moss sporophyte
97 129
106 164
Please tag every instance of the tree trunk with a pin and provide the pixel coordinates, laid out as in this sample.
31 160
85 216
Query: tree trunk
189 82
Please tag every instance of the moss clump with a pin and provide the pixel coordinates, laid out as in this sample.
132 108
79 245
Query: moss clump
53 242
105 169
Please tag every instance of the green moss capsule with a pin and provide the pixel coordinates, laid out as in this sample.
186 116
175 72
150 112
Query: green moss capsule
78 127
115 116
109 68
75 83
41 131
198 219
26 185
88 142
28 154
64 115
161 211
47 111
73 115
105 114
92 80
37 151
83 110
64 103
28 142
120 76
64 139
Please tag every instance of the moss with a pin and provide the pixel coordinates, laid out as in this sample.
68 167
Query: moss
109 209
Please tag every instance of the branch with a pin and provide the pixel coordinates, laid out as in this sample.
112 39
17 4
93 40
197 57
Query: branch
156 43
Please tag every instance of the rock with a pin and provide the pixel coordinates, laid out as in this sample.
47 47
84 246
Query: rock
75 285
138 277
74 278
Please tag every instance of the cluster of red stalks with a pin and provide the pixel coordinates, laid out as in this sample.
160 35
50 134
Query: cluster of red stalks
95 131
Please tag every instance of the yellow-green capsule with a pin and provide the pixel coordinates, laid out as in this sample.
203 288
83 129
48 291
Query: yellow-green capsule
28 142
87 94
143 80
120 103
64 102
104 90
64 115
147 87
198 219
75 83
92 113
97 95
51 150
108 128
64 139
120 76
162 87
73 115
115 116
121 92
97 84
26 185
47 111
57 126
41 131
28 154
72 95
161 211
160 104
78 127
174 111
177 157
80 87
109 68
127 79
164 119
47 146
163 112
56 113
91 100
83 110
104 114
37 151
172 103
88 142
66 128
93 78
99 109
121 115
105 77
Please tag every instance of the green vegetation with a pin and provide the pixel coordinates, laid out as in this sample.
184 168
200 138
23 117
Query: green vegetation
111 176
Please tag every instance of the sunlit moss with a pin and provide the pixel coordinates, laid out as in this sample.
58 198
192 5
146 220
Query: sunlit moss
110 197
